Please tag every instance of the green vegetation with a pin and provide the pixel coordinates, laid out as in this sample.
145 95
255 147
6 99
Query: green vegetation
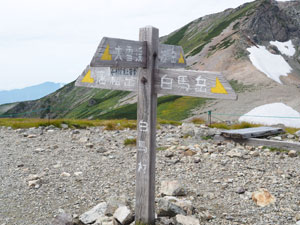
236 26
176 38
196 50
239 86
187 136
198 121
162 148
169 108
195 39
120 124
130 141
273 149
206 138
234 126
179 108
171 122
291 130
27 123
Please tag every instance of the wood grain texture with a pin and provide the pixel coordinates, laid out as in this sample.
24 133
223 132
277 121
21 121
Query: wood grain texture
120 53
252 132
192 83
171 56
262 142
146 143
109 78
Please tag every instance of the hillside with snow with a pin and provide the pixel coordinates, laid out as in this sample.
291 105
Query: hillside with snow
256 46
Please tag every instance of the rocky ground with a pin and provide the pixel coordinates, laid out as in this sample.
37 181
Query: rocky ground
45 171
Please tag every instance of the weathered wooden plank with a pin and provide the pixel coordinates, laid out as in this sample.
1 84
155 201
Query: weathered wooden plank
116 52
109 78
171 56
262 142
252 132
193 83
147 103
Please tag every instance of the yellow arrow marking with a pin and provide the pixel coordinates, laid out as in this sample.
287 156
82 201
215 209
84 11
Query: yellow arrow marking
219 88
87 78
106 55
181 59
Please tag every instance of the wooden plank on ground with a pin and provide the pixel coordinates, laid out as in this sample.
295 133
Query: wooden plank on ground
262 142
251 132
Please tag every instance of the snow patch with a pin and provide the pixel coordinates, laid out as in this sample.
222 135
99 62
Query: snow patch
286 48
272 114
272 65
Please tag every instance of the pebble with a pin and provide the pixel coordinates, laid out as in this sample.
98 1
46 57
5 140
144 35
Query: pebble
293 153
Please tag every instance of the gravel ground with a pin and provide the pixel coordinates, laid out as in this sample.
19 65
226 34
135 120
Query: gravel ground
77 169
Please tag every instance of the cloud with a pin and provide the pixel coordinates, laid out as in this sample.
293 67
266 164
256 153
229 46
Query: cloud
54 40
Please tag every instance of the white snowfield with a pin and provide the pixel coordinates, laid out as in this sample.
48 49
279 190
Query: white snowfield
272 65
286 48
272 114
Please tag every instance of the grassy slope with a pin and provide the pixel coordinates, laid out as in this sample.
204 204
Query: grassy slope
74 102
194 39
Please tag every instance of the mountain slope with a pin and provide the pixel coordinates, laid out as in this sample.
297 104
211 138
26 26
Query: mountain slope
217 42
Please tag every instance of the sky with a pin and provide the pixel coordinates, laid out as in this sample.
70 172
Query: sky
54 40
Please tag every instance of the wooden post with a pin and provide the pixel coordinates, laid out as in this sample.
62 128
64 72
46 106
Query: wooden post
146 114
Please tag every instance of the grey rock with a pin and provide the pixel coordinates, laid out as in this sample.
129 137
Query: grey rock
75 132
124 215
104 220
240 190
93 214
236 152
63 219
186 220
83 139
292 153
169 154
101 150
64 126
168 208
188 129
114 203
165 221
297 133
172 188
32 136
89 145
277 138
34 183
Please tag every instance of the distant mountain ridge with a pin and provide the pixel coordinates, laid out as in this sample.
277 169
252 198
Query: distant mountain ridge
216 42
29 93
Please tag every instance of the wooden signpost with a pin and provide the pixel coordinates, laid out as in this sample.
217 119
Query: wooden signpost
142 66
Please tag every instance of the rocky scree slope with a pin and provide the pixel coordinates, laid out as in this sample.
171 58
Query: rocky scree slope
46 171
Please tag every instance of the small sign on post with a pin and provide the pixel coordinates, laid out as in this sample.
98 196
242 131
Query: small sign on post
141 66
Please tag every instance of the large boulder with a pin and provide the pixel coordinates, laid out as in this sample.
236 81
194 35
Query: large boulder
93 214
172 188
188 129
171 206
124 215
